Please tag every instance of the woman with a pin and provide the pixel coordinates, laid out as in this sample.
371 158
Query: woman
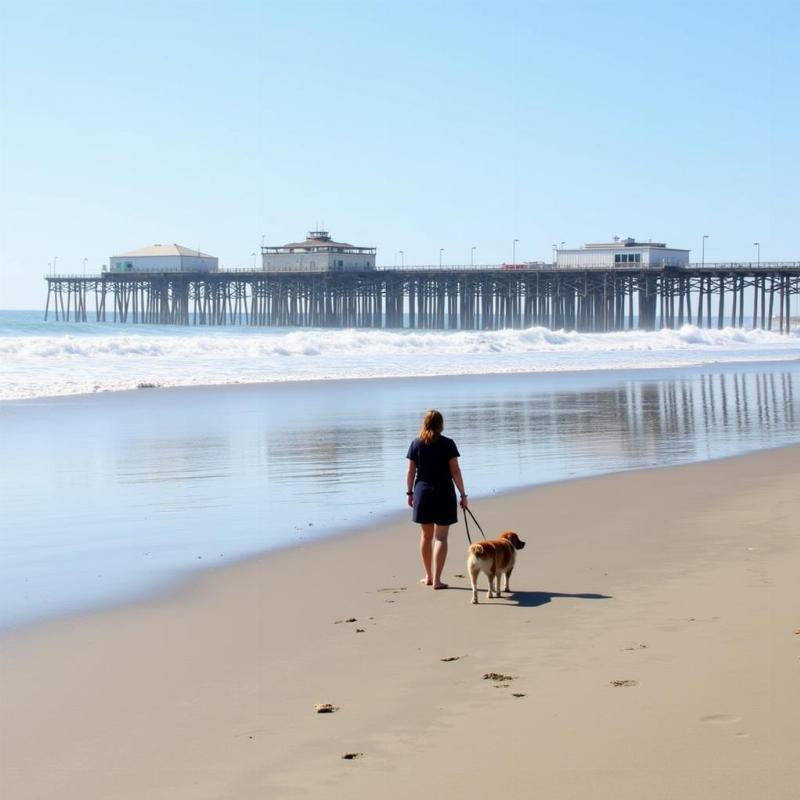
432 470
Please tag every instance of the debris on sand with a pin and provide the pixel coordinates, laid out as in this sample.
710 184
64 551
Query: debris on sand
451 658
325 708
352 756
624 683
497 676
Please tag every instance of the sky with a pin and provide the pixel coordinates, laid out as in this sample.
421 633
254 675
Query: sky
401 125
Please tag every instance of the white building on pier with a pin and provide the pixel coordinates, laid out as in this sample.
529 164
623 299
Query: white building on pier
163 258
318 253
622 253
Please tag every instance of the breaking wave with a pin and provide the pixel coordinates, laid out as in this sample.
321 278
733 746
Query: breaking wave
79 359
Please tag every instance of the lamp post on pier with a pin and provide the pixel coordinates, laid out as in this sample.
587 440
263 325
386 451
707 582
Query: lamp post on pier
555 253
55 258
254 259
703 262
514 253
472 256
84 266
441 250
757 245
402 258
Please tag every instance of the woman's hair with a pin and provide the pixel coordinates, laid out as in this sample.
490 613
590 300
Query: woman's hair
432 426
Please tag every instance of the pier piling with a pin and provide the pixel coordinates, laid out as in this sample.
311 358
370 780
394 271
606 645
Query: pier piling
587 300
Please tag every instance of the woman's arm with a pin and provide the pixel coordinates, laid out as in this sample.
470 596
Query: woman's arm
411 473
455 471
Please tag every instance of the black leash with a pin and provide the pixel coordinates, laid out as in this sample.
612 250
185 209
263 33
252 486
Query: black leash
466 524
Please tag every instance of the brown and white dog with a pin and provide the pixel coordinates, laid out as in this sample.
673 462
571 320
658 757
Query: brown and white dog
494 558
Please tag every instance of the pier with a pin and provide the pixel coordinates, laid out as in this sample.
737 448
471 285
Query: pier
446 298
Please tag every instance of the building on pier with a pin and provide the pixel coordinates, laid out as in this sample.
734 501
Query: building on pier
163 258
318 253
622 253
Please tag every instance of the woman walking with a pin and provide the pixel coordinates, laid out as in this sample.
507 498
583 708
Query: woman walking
432 471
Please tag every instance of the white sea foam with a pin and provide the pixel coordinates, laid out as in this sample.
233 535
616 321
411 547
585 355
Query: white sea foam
79 359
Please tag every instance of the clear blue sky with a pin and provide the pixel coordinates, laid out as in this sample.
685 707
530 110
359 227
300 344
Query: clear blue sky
404 125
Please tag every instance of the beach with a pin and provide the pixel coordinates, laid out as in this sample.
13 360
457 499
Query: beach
651 644
110 497
186 571
233 293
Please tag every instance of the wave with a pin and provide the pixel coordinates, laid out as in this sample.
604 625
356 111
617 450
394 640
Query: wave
36 365
316 342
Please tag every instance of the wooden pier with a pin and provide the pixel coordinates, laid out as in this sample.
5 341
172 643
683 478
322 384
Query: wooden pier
453 298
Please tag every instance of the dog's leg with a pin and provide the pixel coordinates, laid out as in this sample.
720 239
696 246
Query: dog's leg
491 577
473 579
506 578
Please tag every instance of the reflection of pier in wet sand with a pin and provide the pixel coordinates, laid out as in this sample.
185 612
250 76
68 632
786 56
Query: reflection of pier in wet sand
456 298
550 433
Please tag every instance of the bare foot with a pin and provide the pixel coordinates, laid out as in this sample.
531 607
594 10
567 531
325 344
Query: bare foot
440 585
426 581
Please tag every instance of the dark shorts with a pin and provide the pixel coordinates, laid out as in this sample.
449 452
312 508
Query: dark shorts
435 504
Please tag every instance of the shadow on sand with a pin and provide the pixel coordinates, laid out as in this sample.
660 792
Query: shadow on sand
533 599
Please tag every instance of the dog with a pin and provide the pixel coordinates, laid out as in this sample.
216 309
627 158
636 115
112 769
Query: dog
494 558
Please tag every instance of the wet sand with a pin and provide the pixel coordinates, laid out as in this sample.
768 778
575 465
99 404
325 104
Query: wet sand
651 649
108 497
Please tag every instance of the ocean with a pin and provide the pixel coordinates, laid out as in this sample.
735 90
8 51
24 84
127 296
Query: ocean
48 359
254 440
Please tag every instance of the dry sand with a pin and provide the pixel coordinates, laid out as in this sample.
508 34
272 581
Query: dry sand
680 584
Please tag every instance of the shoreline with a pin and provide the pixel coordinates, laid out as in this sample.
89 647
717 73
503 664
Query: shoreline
634 371
684 588
174 586
84 465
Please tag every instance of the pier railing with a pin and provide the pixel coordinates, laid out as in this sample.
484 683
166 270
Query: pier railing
760 266
453 297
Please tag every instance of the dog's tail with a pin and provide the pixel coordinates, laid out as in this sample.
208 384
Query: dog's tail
476 549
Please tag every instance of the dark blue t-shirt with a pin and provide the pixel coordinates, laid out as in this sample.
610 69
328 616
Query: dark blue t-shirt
433 460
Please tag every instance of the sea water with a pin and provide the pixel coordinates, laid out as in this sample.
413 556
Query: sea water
109 494
45 359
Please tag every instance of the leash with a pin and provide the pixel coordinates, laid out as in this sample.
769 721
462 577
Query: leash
466 524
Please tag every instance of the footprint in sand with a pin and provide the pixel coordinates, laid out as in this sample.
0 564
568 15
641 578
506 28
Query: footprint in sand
721 719
624 683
